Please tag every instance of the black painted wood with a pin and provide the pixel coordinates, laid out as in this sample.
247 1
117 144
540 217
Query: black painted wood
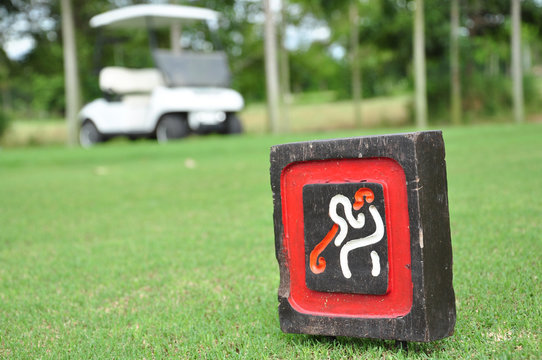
421 155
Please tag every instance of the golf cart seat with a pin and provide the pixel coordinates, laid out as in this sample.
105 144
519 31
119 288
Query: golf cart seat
123 81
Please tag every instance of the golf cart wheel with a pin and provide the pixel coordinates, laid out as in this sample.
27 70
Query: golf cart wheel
89 134
171 127
233 124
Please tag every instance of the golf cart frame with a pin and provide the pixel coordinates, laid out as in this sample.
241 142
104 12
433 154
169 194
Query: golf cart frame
187 92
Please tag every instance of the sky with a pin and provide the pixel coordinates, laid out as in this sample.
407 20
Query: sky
16 49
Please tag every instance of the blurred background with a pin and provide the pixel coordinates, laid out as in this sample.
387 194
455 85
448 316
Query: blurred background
340 64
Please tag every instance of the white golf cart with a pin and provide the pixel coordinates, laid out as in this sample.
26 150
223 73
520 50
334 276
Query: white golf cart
186 92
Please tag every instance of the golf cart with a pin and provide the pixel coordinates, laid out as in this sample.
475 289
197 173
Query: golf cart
186 92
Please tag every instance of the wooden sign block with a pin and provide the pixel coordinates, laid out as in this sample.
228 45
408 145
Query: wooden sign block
362 237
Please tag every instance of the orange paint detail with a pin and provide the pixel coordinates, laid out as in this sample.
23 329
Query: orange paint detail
360 194
318 264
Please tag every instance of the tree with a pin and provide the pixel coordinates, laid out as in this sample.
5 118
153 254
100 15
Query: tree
347 33
455 100
271 68
419 66
517 74
71 76
355 61
4 81
385 30
284 67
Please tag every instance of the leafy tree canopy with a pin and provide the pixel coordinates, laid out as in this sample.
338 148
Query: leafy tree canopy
385 35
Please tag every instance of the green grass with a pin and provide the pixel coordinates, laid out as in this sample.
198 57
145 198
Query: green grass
135 250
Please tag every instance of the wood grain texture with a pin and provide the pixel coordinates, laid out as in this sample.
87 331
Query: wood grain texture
421 156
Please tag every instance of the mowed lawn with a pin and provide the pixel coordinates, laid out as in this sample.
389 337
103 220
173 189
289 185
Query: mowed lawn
135 250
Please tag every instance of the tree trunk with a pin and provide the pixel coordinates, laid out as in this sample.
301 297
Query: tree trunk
517 75
271 68
175 38
354 62
284 69
419 66
455 100
175 35
71 76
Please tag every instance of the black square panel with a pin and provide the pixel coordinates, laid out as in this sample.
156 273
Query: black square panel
346 244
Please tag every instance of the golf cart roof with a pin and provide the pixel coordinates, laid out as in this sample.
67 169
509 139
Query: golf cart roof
155 15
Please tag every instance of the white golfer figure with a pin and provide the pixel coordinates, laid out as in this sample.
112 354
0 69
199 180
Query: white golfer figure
317 265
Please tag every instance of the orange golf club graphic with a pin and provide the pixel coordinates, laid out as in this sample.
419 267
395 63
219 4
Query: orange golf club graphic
339 232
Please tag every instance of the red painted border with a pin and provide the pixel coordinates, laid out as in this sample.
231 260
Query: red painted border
398 300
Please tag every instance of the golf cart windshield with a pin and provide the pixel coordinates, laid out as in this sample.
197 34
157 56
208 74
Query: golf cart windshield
193 69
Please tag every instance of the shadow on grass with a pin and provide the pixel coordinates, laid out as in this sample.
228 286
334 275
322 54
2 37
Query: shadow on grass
391 347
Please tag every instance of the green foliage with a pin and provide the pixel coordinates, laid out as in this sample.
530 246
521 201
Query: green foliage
242 39
47 93
487 95
531 90
316 60
484 57
4 122
385 33
126 252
